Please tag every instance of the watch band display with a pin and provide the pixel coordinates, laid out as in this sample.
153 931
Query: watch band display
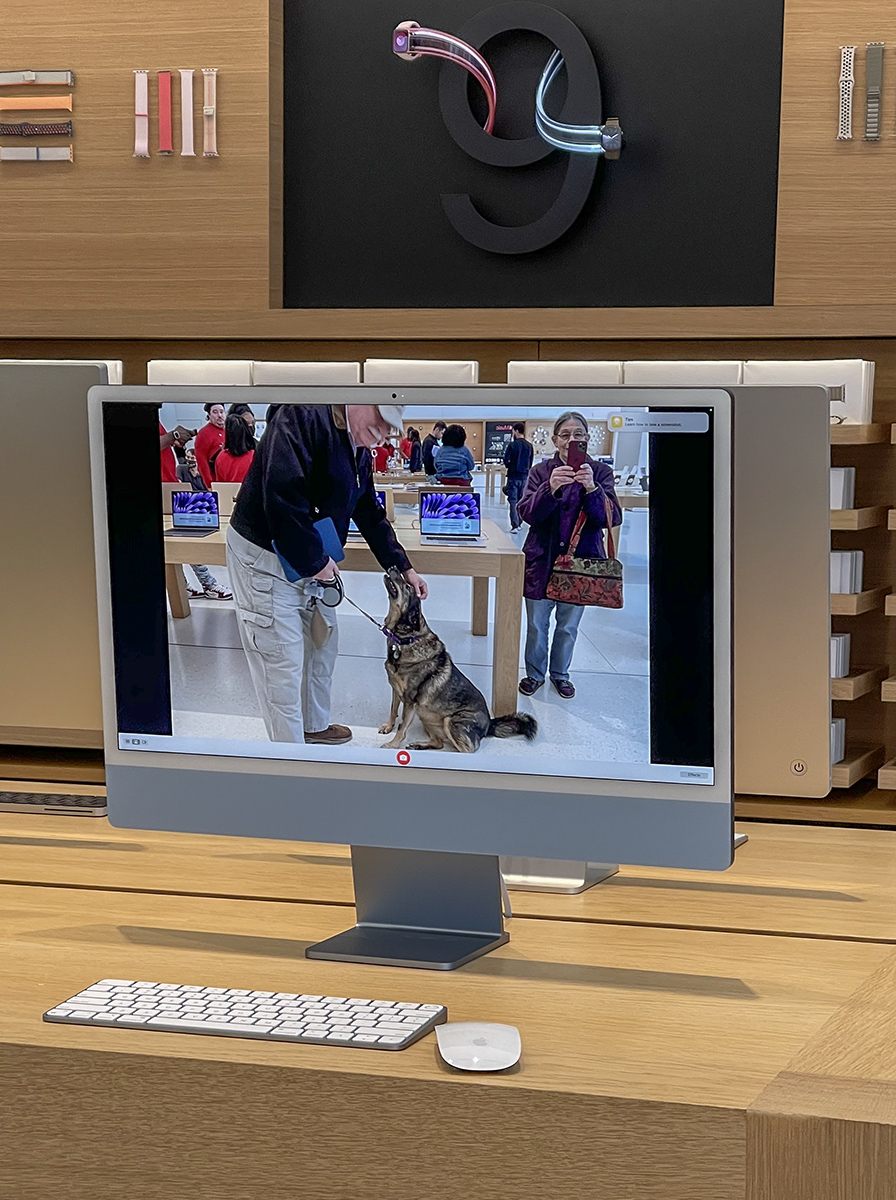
34 103
36 154
44 78
186 115
874 73
166 136
847 79
141 114
410 41
603 139
209 112
28 129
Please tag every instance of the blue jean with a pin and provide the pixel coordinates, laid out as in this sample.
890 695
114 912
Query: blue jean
567 618
514 491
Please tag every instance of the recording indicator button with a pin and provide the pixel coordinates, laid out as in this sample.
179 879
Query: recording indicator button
402 758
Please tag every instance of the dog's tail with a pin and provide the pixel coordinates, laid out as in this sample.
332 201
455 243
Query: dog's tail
515 725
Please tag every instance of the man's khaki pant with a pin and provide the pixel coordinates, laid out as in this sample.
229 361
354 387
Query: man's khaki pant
291 642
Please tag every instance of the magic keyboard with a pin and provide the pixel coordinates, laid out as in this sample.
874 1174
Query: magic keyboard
240 1012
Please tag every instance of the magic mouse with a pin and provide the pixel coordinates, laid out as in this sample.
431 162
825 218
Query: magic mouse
479 1045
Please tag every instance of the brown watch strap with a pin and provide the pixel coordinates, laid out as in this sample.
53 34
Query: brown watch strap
28 129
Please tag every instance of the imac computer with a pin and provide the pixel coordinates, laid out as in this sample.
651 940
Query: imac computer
384 693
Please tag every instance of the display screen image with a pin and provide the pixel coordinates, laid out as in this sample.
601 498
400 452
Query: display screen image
447 513
519 654
194 510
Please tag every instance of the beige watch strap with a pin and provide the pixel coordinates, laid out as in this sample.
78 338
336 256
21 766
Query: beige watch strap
209 112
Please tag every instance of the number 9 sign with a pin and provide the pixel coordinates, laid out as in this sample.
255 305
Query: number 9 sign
583 104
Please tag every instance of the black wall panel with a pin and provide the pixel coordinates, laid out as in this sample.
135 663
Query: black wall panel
685 217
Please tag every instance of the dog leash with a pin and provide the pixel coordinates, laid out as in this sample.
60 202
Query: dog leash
337 585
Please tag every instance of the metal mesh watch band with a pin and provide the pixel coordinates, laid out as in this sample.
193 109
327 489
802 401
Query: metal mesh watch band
874 74
27 129
209 112
847 79
43 78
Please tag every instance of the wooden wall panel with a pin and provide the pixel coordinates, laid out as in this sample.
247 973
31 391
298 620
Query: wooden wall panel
111 231
836 221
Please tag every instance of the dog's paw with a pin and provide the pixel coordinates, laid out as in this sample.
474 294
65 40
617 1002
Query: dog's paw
387 728
424 746
393 745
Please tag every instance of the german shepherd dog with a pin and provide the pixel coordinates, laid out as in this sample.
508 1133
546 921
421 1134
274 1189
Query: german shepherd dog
427 682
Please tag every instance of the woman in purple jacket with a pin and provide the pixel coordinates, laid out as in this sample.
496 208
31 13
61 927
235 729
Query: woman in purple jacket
555 494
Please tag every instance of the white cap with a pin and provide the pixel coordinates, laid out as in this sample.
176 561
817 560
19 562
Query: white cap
392 413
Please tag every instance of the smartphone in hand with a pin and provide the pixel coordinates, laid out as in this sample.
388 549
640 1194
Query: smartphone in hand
575 455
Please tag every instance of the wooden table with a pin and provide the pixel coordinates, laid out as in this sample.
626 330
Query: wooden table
646 1054
499 559
790 880
495 475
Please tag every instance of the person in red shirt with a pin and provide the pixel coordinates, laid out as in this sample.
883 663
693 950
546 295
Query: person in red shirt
232 462
405 447
380 459
178 437
209 440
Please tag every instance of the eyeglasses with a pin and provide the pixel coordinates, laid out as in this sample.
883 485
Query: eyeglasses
576 436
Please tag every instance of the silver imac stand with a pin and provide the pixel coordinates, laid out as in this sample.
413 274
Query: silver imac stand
559 875
420 908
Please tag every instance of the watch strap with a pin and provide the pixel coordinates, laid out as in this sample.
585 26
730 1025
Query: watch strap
28 129
209 112
141 114
43 78
186 115
874 74
36 154
166 135
847 79
34 103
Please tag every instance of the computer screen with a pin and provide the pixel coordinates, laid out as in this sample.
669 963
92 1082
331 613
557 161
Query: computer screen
567 680
454 514
194 510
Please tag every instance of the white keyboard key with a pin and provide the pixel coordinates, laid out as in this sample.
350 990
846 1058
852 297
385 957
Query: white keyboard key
312 999
265 994
430 1007
390 1040
286 995
335 999
136 1019
118 982
240 992
340 1036
365 1038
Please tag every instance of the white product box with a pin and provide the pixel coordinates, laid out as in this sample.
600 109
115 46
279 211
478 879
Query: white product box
850 379
843 487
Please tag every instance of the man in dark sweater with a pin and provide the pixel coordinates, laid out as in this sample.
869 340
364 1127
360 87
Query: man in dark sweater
518 456
430 445
313 463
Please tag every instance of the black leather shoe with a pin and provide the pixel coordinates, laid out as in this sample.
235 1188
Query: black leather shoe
564 688
529 686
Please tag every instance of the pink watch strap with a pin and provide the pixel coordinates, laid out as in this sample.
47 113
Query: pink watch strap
166 137
141 114
186 115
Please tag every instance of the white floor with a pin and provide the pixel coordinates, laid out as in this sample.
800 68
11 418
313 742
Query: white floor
608 719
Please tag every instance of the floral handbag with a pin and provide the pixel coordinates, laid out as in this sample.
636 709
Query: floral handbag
587 581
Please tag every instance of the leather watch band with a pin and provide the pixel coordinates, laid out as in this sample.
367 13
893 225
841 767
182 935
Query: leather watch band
43 78
34 103
28 129
36 154
874 74
186 115
209 112
847 79
141 114
166 135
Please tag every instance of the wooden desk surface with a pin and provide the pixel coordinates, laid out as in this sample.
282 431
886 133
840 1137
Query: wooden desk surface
643 1050
818 882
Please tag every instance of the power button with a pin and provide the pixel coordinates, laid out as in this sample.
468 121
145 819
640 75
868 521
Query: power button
798 767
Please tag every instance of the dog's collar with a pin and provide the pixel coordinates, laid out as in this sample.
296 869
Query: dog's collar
395 638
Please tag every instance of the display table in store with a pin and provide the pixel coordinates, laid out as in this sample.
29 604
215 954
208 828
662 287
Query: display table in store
499 559
495 478
788 879
644 1051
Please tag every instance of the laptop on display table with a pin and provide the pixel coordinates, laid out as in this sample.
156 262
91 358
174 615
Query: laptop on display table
194 514
450 519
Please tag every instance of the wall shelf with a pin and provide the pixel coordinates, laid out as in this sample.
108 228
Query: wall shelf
846 519
886 776
852 604
858 683
860 760
860 435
